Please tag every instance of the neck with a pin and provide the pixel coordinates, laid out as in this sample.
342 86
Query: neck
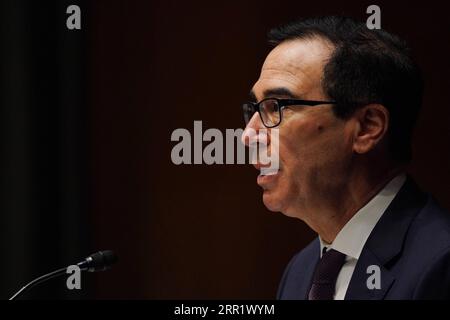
354 195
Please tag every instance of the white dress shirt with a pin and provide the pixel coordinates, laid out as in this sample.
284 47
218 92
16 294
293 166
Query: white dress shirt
353 236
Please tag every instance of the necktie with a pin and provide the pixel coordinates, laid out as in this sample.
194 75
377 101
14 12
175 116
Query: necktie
325 275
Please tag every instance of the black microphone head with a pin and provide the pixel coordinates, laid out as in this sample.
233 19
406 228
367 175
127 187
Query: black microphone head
100 261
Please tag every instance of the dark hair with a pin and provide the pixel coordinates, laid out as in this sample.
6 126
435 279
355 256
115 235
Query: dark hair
366 66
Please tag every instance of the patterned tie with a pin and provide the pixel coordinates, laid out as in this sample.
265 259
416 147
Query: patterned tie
325 275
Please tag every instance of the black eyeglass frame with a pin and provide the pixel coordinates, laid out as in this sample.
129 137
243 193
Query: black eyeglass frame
282 103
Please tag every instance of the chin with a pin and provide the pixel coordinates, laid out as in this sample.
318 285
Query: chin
272 202
277 203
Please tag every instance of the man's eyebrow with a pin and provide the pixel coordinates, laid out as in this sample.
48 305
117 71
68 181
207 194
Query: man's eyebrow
274 92
279 92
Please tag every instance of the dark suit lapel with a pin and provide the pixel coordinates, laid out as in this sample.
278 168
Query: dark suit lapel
385 243
358 288
308 272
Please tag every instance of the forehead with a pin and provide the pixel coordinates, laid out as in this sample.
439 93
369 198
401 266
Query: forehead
296 65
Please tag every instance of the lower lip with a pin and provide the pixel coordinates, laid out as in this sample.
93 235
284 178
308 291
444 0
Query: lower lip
264 180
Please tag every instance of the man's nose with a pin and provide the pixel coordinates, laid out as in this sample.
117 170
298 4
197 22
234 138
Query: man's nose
255 132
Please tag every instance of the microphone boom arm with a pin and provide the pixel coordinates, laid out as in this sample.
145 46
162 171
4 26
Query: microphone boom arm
39 280
98 261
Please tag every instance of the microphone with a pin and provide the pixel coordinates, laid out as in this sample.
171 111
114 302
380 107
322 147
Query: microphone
99 261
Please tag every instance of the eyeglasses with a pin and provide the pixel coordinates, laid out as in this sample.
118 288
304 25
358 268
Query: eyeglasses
270 109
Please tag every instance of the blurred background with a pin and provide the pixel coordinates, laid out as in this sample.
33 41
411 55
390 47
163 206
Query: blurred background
86 120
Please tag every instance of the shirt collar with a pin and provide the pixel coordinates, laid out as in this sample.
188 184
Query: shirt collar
353 236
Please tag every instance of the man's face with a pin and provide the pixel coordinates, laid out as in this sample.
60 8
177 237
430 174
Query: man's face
315 147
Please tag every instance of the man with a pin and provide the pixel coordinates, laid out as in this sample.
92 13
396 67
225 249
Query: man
344 100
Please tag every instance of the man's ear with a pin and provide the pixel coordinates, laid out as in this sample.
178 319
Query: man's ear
373 123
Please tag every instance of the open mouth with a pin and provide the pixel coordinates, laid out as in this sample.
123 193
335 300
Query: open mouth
268 171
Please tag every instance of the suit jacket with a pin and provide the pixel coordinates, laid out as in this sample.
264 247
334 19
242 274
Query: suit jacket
410 244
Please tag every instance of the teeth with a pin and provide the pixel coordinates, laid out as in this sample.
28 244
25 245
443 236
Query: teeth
268 171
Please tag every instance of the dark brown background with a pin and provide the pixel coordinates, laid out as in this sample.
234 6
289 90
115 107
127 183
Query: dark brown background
86 122
202 231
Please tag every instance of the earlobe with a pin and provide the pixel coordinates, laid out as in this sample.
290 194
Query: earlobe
372 125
